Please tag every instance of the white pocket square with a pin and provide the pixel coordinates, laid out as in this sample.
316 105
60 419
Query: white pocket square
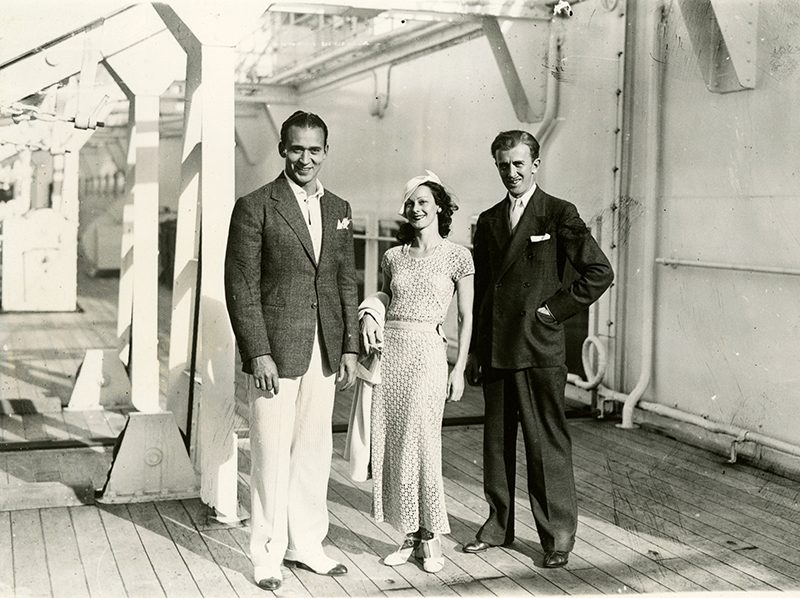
540 238
343 223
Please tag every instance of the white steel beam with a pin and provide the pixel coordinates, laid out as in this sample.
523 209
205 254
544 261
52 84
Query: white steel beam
514 9
439 38
182 341
724 38
54 62
134 72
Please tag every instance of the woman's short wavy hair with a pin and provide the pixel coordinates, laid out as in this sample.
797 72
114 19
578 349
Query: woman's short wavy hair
445 201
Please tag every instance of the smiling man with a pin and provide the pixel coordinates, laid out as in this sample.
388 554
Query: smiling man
517 349
290 286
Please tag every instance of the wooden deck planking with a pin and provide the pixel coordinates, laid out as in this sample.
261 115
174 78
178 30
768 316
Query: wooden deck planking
291 585
61 359
30 562
133 562
98 424
54 426
6 556
585 555
97 556
379 537
222 547
628 508
732 521
484 574
627 540
624 540
63 561
33 424
210 579
168 565
75 424
717 560
13 427
732 481
628 499
694 565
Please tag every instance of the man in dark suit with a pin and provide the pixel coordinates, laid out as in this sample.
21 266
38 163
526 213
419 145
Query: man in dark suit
521 245
291 292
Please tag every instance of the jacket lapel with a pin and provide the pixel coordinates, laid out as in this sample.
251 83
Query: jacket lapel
286 206
499 225
328 225
530 222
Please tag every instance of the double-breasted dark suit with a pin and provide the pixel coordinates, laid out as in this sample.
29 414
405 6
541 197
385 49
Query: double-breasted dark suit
522 356
275 289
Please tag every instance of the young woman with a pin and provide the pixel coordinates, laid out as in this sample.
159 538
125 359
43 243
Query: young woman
419 279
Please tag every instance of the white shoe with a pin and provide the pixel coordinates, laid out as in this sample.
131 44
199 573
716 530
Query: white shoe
430 551
319 563
403 553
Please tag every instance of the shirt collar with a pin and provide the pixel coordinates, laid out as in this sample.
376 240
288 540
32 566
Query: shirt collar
525 197
300 193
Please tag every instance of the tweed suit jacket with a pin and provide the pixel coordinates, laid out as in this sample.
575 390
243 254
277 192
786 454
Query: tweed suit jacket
275 289
517 273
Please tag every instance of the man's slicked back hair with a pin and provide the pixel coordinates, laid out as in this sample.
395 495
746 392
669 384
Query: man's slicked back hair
303 119
508 139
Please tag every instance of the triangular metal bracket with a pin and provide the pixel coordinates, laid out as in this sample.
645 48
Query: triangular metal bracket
724 35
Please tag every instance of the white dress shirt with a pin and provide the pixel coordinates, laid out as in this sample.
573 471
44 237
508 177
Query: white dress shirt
517 206
312 211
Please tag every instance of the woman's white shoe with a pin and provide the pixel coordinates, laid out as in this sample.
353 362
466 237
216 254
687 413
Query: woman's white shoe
430 551
403 553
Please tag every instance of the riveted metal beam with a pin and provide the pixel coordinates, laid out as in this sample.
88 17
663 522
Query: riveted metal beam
724 36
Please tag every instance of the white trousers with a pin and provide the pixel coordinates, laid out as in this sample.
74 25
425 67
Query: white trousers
290 450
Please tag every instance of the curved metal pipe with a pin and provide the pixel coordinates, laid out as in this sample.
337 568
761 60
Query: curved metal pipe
740 434
586 358
551 103
722 266
653 136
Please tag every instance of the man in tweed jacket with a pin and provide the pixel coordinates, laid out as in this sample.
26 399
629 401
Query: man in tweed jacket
291 292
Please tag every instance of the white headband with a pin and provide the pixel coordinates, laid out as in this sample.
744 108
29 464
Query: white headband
412 185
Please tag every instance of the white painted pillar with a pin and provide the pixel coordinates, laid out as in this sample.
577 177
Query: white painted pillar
209 34
144 333
215 353
133 69
187 248
125 288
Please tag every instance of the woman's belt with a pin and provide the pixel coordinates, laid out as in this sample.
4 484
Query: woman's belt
417 327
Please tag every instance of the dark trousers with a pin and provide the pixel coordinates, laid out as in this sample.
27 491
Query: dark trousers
533 397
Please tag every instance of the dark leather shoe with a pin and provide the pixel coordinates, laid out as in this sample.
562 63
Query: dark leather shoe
476 546
270 584
334 571
555 558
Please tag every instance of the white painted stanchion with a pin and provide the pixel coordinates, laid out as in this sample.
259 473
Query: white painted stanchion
209 36
101 383
151 461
